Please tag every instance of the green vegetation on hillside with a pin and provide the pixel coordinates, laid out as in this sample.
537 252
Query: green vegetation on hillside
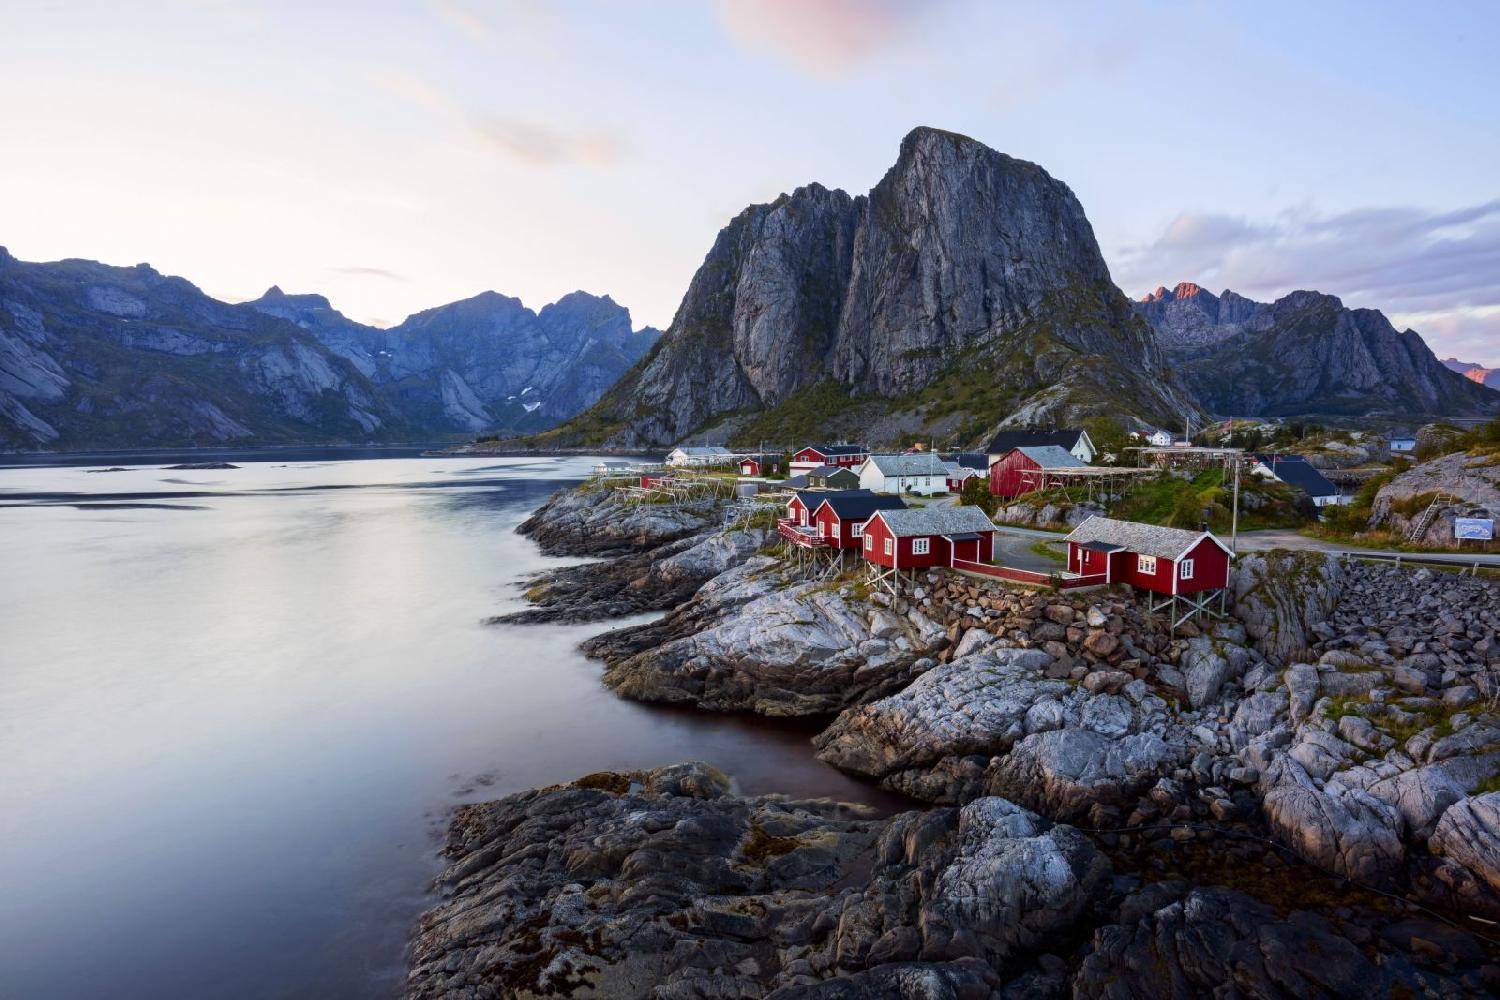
803 416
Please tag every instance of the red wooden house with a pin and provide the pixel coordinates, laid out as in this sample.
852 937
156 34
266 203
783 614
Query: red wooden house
1168 561
928 536
840 517
1007 474
799 509
847 456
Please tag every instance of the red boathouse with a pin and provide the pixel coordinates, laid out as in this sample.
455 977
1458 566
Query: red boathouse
928 536
1007 474
841 517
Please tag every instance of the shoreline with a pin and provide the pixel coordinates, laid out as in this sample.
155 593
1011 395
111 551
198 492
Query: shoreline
1208 818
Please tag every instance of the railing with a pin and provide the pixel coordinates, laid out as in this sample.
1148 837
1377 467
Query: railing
801 535
1014 575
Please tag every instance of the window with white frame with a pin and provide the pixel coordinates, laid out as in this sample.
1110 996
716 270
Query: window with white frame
920 546
889 548
859 529
1185 569
822 529
869 542
1146 564
802 515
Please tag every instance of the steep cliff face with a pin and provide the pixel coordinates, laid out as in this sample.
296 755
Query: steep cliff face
1304 355
96 356
963 265
483 363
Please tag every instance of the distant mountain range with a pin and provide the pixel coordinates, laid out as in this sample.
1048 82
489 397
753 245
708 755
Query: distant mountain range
1304 355
966 290
1474 373
93 356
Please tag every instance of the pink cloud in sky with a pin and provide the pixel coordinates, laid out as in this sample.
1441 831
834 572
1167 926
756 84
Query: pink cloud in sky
825 37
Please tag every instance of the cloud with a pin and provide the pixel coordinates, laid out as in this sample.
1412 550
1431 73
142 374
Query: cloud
464 18
825 37
542 145
370 272
1440 266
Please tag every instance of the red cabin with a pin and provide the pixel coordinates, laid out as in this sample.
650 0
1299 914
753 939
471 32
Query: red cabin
1168 561
1008 473
841 516
651 481
928 536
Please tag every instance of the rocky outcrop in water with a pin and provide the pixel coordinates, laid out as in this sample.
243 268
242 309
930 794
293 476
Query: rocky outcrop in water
663 884
962 264
757 640
592 521
1304 355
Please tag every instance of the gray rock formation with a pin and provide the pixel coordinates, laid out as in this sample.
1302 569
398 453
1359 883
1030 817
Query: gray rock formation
1472 483
663 884
1282 595
1304 355
962 264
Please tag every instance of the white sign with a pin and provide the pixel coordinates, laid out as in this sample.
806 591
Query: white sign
1479 529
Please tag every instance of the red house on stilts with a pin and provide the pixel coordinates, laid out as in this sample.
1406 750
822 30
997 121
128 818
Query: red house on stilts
923 537
1008 474
1187 566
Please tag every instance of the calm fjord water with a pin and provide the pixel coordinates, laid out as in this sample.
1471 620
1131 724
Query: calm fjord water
237 705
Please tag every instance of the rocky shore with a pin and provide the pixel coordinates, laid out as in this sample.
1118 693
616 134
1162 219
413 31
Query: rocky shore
1292 799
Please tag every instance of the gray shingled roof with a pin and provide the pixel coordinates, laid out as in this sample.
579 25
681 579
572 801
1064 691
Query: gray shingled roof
921 464
1142 539
936 521
1051 457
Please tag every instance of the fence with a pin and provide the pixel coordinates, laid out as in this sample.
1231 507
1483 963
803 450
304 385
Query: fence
1028 576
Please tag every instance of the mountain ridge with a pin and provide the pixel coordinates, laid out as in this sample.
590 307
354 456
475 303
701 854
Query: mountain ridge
1304 355
98 356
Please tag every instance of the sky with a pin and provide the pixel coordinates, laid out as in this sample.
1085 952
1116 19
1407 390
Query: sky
399 155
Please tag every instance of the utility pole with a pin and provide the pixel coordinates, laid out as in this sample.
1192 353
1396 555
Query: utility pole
1234 518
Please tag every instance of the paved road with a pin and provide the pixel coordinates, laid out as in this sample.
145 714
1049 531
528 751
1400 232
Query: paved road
1249 541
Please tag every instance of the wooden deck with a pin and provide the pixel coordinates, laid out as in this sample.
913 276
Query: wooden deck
1063 581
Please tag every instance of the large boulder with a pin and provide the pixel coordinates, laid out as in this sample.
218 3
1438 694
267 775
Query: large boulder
592 520
769 643
1474 485
1281 596
1469 833
1342 829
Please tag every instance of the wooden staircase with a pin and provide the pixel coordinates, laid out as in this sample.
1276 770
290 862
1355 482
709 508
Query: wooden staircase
1424 520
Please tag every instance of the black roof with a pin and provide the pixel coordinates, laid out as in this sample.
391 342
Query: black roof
969 460
814 497
856 505
829 471
1103 546
838 449
1006 440
761 459
1298 472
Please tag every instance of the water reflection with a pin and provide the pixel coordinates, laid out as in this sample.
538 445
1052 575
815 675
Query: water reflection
231 728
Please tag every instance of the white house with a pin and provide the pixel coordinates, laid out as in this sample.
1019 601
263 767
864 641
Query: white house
1159 439
700 457
922 473
1298 473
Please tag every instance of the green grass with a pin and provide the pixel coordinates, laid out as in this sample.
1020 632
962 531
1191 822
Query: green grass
1180 503
1048 550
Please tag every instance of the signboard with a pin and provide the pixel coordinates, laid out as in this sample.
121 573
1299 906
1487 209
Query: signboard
1478 529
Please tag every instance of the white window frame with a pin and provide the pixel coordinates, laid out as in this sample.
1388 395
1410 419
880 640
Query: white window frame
869 543
921 546
822 529
1185 569
1145 565
889 548
858 531
802 516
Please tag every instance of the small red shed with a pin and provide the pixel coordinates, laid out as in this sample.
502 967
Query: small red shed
1007 477
1170 561
928 536
759 465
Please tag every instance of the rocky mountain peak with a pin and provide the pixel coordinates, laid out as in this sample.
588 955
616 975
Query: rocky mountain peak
961 263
